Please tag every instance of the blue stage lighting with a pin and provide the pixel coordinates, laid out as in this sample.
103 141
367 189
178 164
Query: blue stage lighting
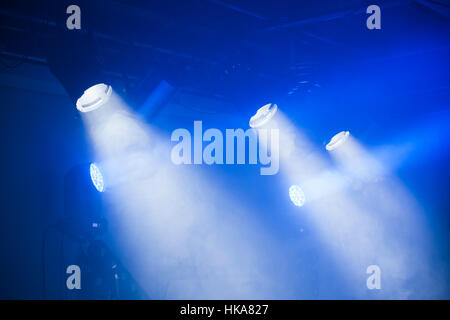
97 177
263 115
94 97
297 195
337 140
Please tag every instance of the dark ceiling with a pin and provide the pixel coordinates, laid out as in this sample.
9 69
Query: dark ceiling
213 46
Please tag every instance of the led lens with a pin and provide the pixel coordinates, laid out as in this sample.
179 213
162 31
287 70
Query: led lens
97 177
297 195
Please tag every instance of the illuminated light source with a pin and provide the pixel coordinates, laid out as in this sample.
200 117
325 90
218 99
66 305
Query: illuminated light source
263 115
297 195
97 177
94 97
337 140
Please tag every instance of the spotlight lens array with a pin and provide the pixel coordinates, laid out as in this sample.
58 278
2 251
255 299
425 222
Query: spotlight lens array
297 195
263 115
97 177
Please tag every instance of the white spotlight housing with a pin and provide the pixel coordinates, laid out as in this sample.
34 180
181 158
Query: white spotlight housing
297 195
94 97
263 115
337 140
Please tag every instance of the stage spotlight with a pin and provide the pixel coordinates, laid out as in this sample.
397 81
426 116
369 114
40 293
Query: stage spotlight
94 97
337 140
263 115
97 177
297 195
